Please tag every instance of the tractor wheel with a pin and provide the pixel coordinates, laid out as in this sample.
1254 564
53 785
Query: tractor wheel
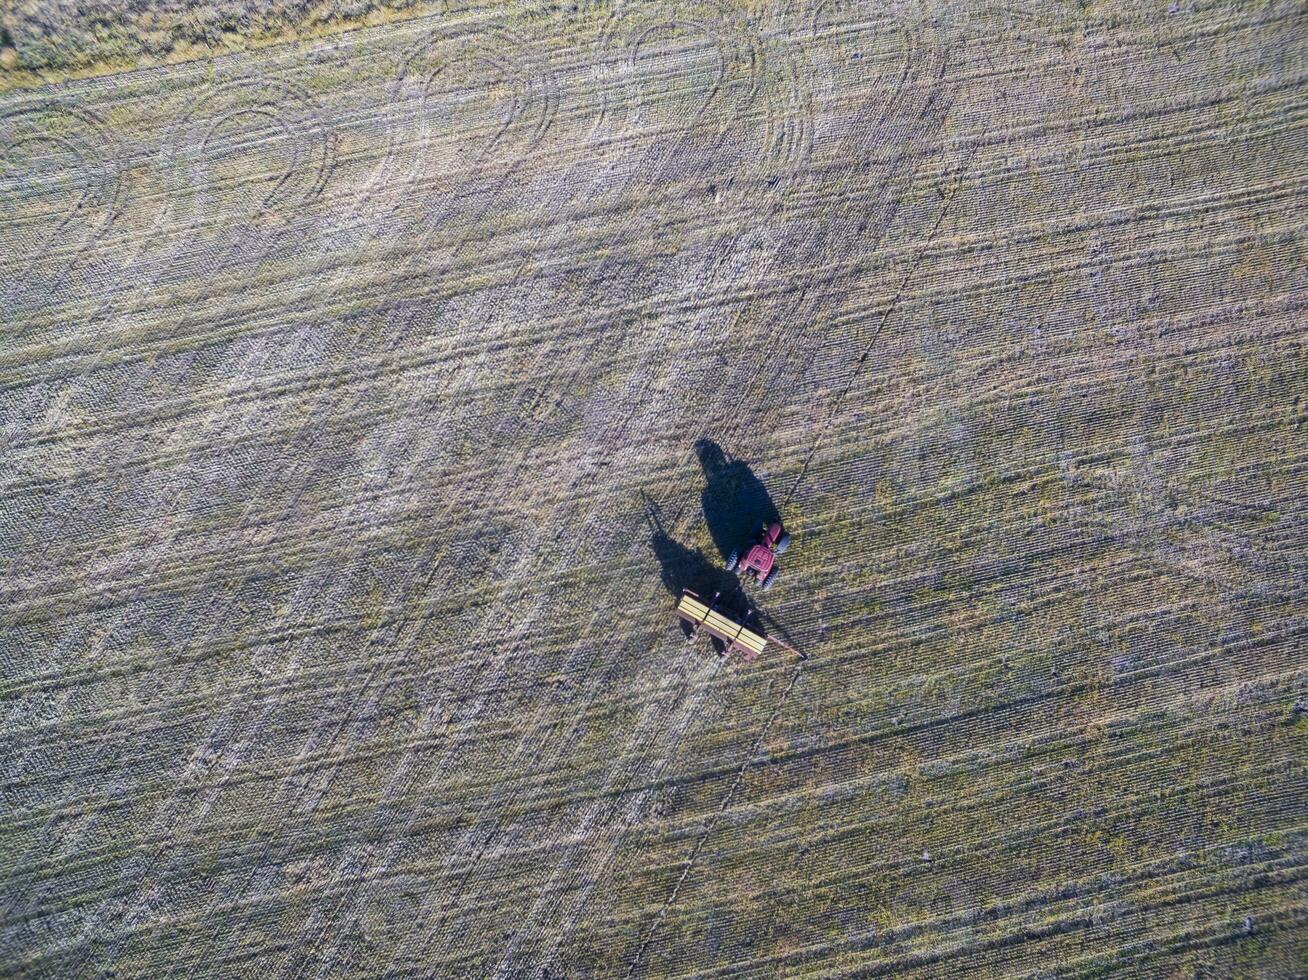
783 543
733 560
767 582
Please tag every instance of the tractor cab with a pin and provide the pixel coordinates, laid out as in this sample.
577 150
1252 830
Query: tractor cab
770 541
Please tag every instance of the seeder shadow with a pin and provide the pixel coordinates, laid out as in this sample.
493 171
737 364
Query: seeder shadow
682 568
735 501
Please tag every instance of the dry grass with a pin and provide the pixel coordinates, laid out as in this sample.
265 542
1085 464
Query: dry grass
338 382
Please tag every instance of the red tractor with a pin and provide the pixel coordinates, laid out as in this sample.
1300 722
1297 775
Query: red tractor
760 560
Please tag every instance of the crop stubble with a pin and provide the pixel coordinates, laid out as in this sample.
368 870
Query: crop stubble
336 378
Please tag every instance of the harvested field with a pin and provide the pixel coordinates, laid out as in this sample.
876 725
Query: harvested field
374 376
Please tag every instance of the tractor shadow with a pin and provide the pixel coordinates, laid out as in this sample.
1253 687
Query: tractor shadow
735 501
